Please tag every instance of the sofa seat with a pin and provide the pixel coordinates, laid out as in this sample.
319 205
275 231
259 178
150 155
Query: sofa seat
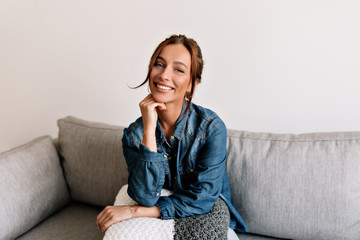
75 221
249 236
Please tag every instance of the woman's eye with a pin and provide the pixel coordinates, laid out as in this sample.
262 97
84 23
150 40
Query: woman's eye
179 70
158 64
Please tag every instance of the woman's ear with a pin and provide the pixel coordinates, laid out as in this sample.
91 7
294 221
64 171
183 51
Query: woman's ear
197 81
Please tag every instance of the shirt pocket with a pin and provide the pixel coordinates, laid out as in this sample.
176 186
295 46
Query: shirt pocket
188 164
190 151
187 173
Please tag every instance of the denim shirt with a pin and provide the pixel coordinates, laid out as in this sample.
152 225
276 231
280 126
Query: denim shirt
191 163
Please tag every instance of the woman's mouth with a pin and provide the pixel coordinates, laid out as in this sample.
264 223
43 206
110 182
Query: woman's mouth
162 86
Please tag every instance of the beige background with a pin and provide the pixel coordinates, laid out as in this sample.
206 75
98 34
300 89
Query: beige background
271 65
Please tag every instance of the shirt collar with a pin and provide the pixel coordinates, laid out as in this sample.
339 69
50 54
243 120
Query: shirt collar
179 128
181 122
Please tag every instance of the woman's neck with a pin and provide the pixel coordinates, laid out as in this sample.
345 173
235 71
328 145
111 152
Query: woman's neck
169 117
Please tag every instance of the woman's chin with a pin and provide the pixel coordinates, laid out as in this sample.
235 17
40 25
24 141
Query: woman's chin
160 99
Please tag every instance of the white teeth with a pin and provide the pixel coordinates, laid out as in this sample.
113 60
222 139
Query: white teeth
162 87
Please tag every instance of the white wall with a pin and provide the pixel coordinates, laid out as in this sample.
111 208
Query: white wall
275 66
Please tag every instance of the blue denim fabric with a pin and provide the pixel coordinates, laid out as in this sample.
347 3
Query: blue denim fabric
191 163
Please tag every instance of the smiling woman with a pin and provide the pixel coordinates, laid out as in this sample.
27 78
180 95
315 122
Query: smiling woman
171 74
178 146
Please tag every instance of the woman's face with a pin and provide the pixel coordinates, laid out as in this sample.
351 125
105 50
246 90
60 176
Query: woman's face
170 76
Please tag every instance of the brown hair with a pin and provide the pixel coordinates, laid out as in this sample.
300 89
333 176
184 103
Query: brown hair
197 62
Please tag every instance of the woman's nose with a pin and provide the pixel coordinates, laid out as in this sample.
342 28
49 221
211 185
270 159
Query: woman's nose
166 74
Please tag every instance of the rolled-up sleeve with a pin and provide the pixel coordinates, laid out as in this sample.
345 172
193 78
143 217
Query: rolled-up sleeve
206 179
166 208
146 171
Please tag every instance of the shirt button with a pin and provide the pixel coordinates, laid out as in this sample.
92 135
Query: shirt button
191 170
172 137
165 156
169 158
157 194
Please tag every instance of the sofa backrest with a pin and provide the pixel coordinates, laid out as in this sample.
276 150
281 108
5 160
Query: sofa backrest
304 186
93 161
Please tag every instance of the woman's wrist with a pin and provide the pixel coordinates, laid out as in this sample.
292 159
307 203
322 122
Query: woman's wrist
131 211
149 132
149 140
140 211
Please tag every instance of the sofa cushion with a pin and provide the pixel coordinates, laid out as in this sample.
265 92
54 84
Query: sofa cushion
32 186
249 236
93 161
304 186
76 221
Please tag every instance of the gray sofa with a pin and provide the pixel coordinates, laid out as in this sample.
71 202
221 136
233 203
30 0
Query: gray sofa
285 186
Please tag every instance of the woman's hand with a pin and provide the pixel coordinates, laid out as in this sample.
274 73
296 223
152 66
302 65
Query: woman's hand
148 111
113 214
149 116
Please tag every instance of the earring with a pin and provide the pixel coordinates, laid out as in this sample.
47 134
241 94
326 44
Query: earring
187 97
148 88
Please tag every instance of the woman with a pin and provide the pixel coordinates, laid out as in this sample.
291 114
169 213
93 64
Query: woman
175 145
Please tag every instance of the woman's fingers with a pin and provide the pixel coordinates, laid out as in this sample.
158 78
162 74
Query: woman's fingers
111 215
103 219
108 220
161 106
149 114
149 101
100 218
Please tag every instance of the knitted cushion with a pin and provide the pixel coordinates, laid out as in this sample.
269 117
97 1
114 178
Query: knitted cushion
213 225
139 228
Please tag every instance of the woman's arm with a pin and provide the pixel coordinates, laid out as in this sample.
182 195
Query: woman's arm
149 115
145 164
113 214
145 167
